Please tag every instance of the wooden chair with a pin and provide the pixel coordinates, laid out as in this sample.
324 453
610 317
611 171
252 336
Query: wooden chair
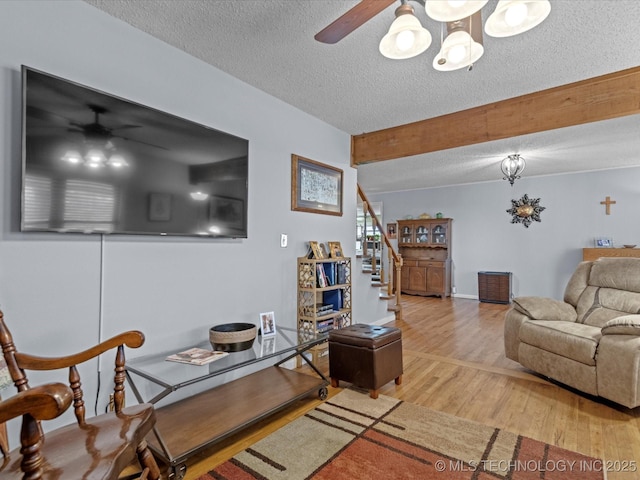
99 447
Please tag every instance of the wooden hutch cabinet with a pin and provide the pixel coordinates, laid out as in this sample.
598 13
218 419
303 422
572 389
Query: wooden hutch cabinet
425 246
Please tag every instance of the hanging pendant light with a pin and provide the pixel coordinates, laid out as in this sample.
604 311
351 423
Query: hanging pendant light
451 10
512 167
406 37
512 17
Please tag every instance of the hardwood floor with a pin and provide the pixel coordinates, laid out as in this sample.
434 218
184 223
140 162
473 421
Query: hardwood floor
454 362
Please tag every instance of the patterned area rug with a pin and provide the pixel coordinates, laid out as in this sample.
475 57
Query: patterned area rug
352 436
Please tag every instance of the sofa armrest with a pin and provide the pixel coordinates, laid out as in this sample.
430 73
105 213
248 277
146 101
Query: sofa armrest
624 325
542 308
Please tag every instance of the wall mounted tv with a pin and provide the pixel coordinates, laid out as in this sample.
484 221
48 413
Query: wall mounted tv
96 163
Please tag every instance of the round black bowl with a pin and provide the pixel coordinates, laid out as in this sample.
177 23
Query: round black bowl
232 337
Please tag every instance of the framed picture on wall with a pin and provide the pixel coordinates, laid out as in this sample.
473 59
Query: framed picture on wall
159 207
315 187
392 230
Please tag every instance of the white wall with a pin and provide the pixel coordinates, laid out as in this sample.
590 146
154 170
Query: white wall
543 256
64 292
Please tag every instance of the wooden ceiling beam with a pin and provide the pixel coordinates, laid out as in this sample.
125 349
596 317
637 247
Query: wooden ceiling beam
600 98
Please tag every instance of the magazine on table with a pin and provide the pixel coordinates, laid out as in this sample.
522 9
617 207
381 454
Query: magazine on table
197 356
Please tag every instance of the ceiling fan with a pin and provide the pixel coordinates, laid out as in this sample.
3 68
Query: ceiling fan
351 20
97 133
462 44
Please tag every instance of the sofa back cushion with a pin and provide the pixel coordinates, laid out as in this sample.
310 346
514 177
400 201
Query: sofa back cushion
577 283
613 290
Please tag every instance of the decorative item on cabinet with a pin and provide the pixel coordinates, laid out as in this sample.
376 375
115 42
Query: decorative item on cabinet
425 246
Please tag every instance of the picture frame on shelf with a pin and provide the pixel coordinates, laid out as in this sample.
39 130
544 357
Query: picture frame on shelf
315 187
335 250
603 242
316 250
267 324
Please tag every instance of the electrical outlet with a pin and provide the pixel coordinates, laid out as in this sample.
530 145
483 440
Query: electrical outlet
283 240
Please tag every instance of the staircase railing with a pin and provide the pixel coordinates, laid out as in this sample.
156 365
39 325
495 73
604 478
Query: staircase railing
394 258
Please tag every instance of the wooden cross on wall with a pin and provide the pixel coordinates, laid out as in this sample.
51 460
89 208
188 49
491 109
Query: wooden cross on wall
608 202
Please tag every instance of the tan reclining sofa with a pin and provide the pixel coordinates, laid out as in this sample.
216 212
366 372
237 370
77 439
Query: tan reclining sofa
591 341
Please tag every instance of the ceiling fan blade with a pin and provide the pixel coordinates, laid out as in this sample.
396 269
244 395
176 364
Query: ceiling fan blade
125 127
41 114
354 18
141 142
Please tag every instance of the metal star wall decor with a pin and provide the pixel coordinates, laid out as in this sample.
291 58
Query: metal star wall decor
525 210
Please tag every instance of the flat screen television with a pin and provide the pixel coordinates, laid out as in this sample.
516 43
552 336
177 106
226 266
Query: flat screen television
96 163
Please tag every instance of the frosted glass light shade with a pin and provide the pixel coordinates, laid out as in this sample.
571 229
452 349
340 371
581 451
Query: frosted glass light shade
459 50
117 161
199 196
95 158
406 38
72 156
450 10
512 17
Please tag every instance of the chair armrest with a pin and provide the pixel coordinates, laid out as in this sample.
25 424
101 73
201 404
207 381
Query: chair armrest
132 339
43 402
624 325
542 308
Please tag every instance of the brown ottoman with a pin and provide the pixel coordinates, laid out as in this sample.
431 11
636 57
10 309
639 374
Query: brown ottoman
367 356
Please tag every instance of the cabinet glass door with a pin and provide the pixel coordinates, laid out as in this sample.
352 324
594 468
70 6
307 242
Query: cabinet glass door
406 234
422 233
439 234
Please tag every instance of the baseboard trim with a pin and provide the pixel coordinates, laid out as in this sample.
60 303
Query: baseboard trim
462 295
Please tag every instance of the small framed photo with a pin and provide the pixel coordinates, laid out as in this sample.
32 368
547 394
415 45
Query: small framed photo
316 250
392 230
335 250
603 242
267 324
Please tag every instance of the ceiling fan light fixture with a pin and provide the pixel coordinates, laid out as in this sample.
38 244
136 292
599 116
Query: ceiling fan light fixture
451 10
199 196
458 50
512 167
73 157
512 17
406 37
117 161
95 158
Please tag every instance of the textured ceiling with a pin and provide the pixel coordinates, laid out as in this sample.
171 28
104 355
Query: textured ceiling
269 44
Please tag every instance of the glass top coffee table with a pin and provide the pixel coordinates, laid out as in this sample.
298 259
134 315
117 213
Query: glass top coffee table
194 423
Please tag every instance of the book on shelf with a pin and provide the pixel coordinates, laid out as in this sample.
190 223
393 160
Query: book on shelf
197 356
322 277
334 298
341 273
330 273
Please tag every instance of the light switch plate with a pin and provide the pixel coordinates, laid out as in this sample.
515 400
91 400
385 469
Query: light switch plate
283 240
